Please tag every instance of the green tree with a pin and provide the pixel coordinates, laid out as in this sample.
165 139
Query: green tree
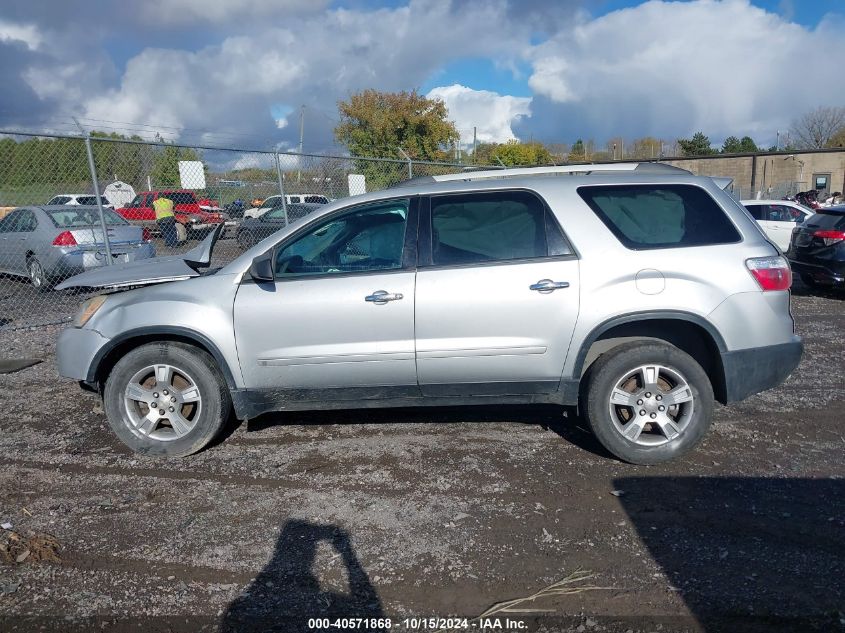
734 145
165 171
698 145
578 151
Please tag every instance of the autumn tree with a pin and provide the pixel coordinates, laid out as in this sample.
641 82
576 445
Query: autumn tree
377 124
817 128
512 153
645 147
698 145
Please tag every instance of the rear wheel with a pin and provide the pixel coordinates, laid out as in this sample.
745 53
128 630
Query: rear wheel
246 240
166 399
648 402
37 275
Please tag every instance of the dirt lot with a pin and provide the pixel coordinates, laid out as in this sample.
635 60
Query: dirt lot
429 513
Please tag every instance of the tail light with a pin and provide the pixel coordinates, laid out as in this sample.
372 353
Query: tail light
146 234
771 273
65 238
830 237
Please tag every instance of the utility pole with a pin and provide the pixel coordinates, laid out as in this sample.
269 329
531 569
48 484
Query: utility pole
301 138
474 144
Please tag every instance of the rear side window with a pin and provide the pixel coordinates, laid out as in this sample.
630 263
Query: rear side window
484 227
660 216
827 220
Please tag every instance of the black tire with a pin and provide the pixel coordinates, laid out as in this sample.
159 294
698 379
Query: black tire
37 275
216 403
611 368
246 240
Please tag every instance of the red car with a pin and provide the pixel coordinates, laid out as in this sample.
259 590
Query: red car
196 219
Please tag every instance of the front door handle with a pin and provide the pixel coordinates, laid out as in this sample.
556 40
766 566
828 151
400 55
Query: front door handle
547 285
380 297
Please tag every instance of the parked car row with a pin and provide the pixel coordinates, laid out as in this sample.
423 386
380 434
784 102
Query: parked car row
813 239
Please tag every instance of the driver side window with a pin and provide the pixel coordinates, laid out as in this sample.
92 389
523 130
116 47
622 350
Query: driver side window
365 239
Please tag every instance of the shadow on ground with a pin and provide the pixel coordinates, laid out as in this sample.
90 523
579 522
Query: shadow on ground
563 421
290 590
747 554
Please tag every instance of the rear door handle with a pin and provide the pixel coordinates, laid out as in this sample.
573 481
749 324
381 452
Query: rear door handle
547 285
380 297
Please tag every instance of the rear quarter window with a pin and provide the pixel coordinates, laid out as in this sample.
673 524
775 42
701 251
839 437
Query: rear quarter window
646 217
827 220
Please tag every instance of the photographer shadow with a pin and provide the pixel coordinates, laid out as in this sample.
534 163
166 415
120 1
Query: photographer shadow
287 593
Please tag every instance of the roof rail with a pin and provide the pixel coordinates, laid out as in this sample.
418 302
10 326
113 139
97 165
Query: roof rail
585 169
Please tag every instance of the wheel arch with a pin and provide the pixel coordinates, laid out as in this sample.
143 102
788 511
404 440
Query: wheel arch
688 332
108 356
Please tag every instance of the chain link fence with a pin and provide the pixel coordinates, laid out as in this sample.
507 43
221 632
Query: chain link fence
52 225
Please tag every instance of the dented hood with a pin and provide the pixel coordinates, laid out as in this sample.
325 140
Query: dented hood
144 272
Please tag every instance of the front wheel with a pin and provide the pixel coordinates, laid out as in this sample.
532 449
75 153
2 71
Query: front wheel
648 402
166 399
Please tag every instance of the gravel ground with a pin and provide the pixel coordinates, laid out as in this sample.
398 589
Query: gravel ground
424 513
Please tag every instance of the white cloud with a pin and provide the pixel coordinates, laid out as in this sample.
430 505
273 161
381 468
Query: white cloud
491 113
28 34
315 60
220 11
725 67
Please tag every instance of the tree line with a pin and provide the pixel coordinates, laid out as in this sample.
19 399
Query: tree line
65 161
379 124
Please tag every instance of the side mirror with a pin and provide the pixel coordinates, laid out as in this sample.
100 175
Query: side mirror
261 268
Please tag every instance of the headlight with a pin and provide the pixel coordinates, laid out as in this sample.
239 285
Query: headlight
193 219
88 309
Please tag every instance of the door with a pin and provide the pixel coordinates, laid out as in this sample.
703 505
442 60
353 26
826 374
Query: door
497 295
339 317
779 222
10 252
18 241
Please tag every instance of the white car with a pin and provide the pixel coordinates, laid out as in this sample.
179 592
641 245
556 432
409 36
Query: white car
85 199
275 201
777 218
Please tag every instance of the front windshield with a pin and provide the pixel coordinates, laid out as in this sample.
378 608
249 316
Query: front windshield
70 218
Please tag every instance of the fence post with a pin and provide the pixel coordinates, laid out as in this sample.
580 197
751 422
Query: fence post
410 162
93 169
281 188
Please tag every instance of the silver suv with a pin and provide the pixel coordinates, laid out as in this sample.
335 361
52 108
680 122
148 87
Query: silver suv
637 292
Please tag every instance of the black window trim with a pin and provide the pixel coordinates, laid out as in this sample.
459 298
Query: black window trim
614 231
409 249
426 257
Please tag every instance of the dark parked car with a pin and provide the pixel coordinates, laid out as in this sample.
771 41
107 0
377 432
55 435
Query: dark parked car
253 230
817 249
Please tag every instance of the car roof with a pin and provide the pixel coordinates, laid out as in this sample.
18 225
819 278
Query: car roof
774 201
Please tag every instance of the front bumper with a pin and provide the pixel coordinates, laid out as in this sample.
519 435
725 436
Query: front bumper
76 352
750 371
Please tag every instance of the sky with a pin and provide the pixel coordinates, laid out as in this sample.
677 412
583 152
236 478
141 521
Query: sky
237 72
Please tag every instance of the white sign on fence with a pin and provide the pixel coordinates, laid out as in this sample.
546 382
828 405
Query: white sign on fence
192 174
357 184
